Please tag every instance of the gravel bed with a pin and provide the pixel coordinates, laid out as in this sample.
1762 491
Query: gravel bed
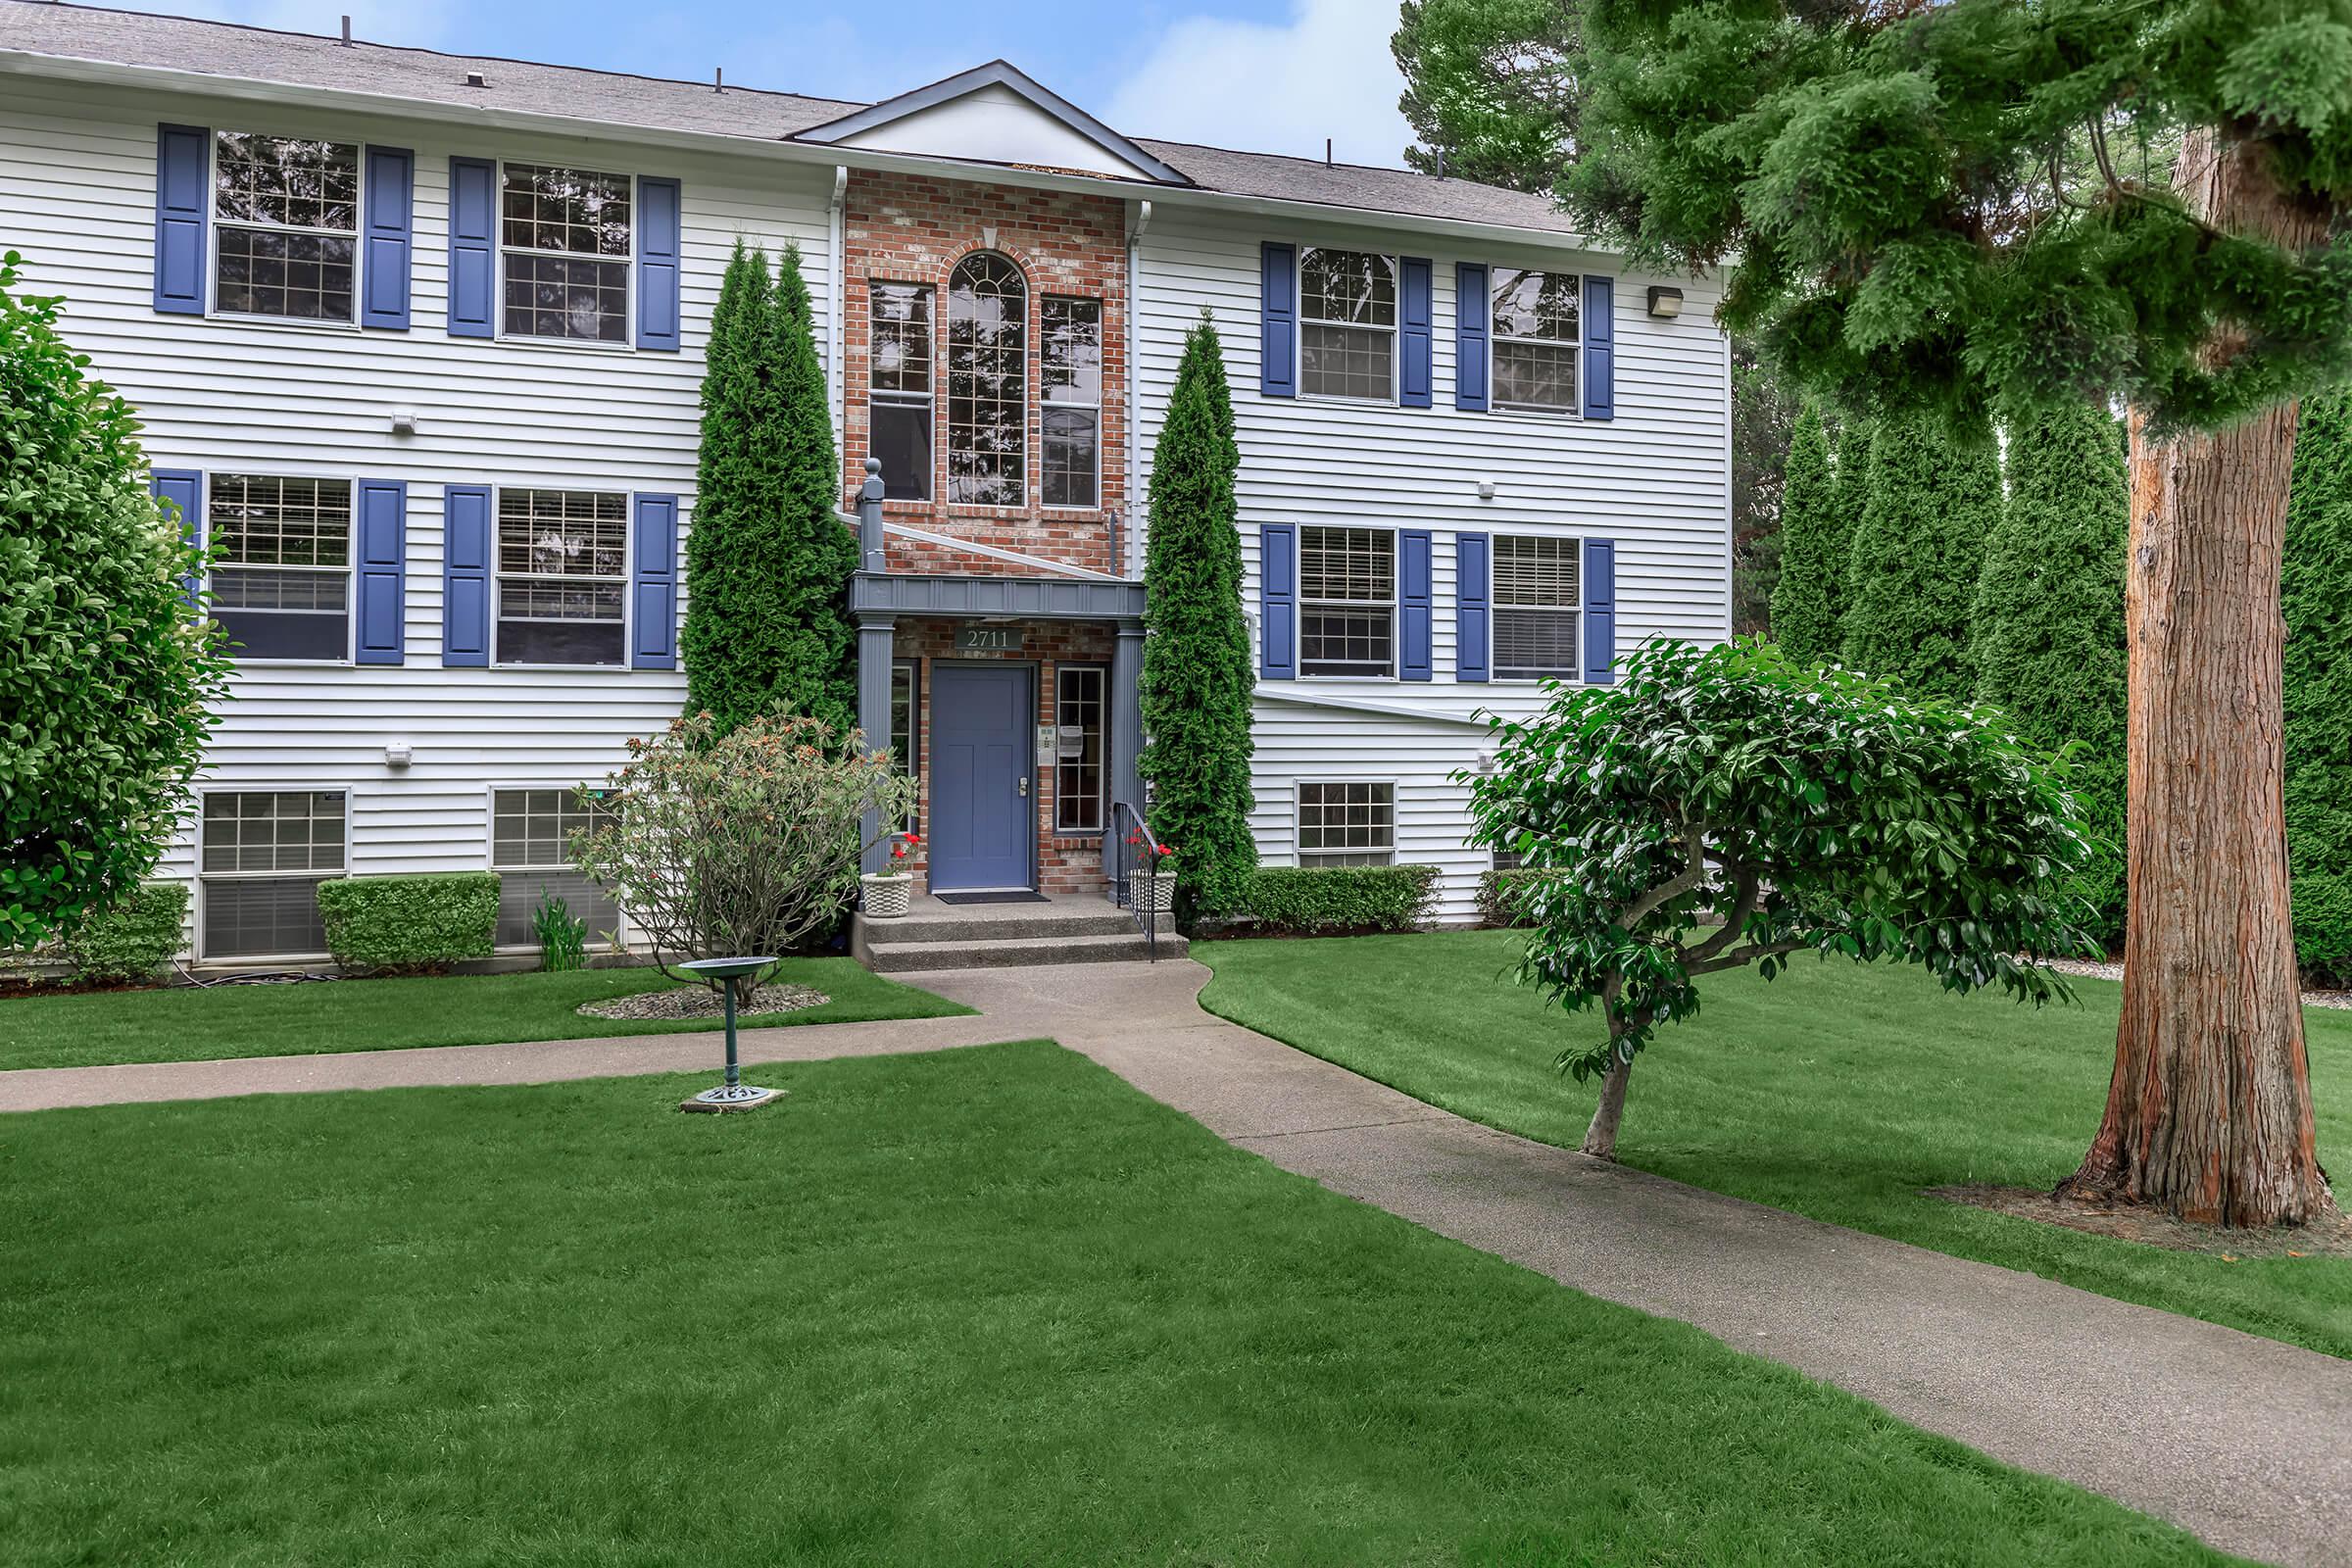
2114 971
700 1002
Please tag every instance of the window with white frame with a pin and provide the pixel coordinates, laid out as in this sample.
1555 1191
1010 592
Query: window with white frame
565 238
287 226
1073 375
1536 339
1078 748
987 382
1346 823
1536 596
261 857
898 387
530 849
1348 324
1347 601
281 576
906 732
562 576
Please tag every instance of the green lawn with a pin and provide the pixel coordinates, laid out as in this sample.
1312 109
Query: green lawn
1837 1091
979 1306
187 1024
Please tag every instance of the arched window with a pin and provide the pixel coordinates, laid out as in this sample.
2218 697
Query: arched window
987 382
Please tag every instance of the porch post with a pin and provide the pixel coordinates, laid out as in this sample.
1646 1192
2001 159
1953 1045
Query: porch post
872 552
874 713
1126 716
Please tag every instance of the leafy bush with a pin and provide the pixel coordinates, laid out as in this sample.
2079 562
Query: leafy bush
404 924
1339 898
2316 597
563 936
1934 499
132 938
105 672
1816 542
1500 892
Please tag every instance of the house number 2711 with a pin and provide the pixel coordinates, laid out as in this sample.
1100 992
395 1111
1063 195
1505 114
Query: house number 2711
988 639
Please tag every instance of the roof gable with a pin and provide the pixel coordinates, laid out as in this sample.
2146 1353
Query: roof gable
995 114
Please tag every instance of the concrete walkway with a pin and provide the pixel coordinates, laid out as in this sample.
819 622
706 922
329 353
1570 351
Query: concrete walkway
2243 1440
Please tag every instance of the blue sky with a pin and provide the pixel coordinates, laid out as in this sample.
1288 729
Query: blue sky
1270 75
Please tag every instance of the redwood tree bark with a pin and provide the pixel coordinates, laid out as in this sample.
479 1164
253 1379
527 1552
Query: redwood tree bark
2209 1112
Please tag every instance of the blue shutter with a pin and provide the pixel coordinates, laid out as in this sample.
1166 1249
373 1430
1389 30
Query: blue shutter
1413 598
1600 349
472 247
1473 592
1278 320
1278 601
1471 312
1415 313
185 489
383 572
654 585
657 261
387 239
1600 611
466 576
182 200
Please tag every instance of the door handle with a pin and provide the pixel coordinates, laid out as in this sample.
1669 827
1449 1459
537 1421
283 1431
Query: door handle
1024 786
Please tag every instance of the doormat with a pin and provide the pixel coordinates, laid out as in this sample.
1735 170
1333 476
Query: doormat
992 898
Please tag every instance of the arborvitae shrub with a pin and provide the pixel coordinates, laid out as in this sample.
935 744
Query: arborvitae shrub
1808 599
1934 499
2317 600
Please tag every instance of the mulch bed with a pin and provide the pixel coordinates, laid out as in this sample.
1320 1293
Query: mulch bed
700 1002
2329 1239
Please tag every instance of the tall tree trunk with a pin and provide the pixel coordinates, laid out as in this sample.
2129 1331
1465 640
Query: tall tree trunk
1600 1138
2209 1112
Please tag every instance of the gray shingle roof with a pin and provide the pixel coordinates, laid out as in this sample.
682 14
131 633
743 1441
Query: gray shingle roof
256 53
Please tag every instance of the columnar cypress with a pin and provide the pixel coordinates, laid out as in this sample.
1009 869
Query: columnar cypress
1198 674
2317 598
1814 543
1935 499
2048 633
768 563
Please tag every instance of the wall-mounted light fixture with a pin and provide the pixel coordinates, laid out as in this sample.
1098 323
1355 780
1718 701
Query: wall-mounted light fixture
1665 303
1486 489
404 421
397 754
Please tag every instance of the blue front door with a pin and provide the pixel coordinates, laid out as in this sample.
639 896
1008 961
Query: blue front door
981 817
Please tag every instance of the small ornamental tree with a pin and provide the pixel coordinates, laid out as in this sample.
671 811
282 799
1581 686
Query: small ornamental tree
1815 540
106 673
1198 673
1731 806
741 842
2049 625
1935 499
2317 603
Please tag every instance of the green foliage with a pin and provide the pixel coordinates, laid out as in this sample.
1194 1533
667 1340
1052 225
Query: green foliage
1498 894
132 938
1490 87
105 672
2317 603
1764 413
2049 625
1935 499
1815 543
563 936
769 561
1198 670
1728 806
409 924
1339 898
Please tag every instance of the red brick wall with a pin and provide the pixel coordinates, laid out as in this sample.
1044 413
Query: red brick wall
914 228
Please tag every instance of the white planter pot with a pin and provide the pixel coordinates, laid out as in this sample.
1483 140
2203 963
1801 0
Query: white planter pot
1155 891
885 894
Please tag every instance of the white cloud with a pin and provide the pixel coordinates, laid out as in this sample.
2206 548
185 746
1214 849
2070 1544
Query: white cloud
1275 88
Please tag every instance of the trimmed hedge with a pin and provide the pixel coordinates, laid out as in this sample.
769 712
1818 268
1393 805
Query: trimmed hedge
1339 898
410 923
2315 595
133 936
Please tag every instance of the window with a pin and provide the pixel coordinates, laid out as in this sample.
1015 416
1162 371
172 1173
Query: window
904 699
262 857
565 233
561 576
530 849
898 387
1535 340
289 225
1347 601
1348 326
1078 749
988 383
1072 372
1346 824
1536 602
281 583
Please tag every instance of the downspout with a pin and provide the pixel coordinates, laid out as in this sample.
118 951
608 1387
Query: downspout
837 328
1133 543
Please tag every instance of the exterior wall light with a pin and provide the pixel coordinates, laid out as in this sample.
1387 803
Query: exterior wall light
397 754
404 421
1486 489
1665 303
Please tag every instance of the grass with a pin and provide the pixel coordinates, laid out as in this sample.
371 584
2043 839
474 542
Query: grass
978 1307
1837 1091
190 1025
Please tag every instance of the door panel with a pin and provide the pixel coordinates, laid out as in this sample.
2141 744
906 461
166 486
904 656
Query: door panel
982 820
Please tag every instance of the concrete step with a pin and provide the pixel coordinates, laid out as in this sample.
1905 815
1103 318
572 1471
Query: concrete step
1002 923
903 957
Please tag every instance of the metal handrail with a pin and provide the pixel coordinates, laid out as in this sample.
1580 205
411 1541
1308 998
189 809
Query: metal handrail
1127 822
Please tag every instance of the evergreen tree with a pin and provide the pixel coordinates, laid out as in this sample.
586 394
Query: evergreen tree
1198 670
2048 625
1808 599
1490 87
1854 442
2318 604
768 562
1935 499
